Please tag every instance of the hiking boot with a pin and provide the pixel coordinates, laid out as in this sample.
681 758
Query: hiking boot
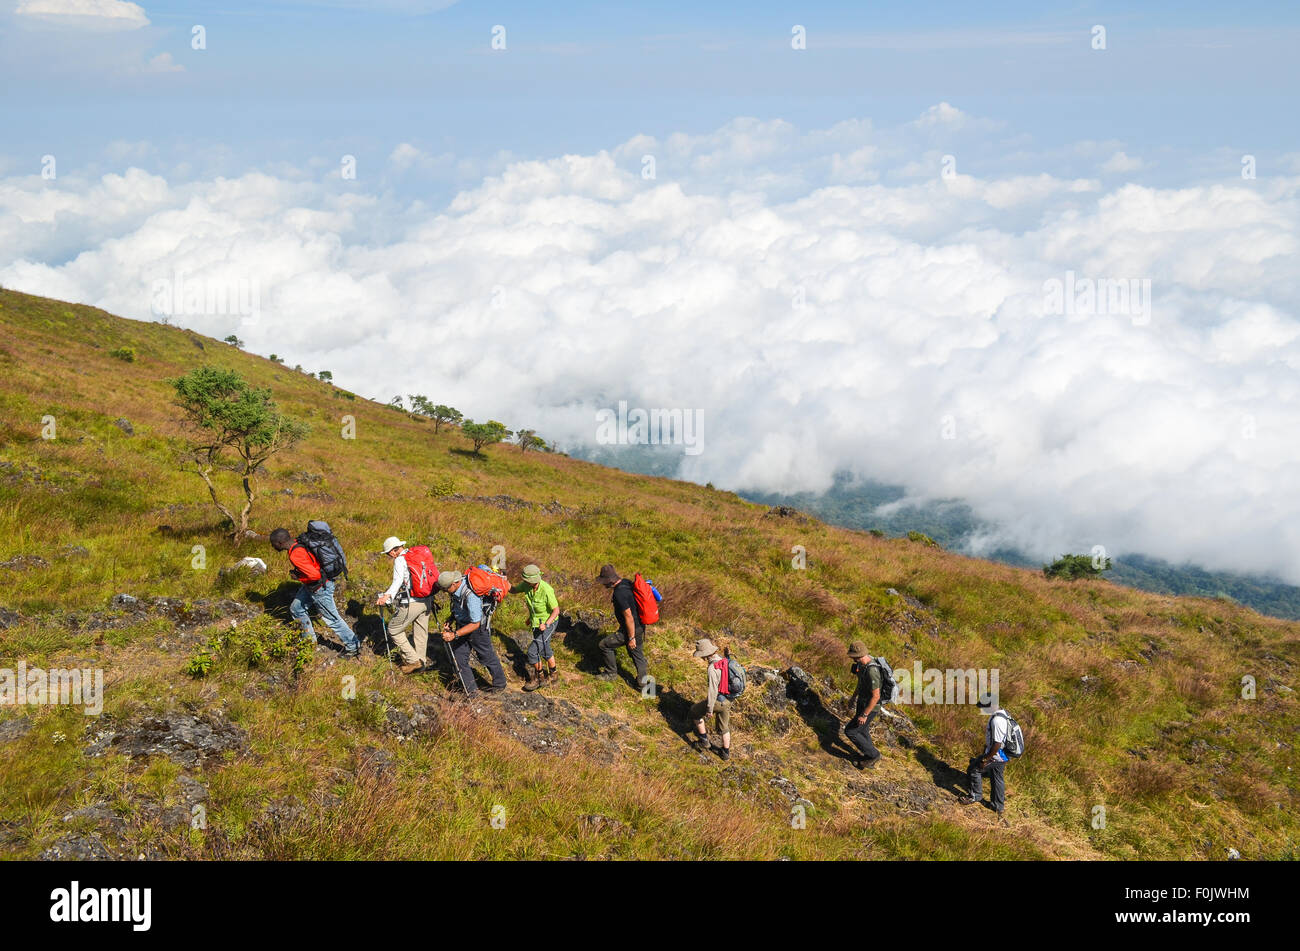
534 681
410 668
490 689
353 653
969 801
607 676
724 753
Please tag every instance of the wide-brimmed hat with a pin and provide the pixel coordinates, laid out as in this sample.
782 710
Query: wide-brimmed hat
705 648
607 574
447 580
532 574
391 542
857 649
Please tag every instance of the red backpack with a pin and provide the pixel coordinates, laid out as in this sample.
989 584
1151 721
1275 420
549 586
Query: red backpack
486 583
424 571
647 605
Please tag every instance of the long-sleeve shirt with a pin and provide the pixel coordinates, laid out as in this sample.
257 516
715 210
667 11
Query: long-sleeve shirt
303 564
401 577
715 682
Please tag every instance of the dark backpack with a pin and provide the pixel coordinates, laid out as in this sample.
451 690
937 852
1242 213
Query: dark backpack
736 681
1014 747
325 548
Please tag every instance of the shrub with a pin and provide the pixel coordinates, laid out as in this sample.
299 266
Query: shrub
923 538
1071 567
125 354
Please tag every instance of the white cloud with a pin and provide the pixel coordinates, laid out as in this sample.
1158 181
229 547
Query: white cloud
162 63
1171 434
86 14
1120 163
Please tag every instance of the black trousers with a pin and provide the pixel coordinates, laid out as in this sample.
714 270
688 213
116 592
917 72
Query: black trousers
480 642
976 776
861 736
619 639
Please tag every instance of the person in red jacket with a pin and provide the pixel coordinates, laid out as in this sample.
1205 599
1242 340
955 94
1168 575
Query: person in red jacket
313 589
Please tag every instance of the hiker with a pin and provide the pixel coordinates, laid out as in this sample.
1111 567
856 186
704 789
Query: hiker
314 588
630 633
717 703
464 631
543 616
867 696
993 760
412 601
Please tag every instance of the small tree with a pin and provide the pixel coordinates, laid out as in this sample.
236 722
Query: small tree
444 414
234 341
485 434
274 359
1071 567
229 416
396 403
420 405
528 439
326 376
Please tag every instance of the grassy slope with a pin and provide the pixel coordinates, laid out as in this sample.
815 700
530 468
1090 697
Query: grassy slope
1128 699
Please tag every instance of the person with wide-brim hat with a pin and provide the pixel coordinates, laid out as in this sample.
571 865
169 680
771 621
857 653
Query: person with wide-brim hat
867 697
631 629
717 701
410 613
543 616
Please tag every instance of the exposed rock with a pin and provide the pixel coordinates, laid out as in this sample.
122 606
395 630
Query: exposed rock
124 601
103 818
74 551
378 763
280 813
14 728
8 618
192 791
423 720
124 424
183 738
81 848
24 562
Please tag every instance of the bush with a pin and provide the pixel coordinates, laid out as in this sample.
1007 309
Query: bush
1071 567
254 644
923 538
125 354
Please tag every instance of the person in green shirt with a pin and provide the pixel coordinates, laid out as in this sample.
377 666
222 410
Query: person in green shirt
543 615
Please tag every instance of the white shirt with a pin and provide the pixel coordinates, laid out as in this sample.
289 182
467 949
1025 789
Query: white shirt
997 729
401 577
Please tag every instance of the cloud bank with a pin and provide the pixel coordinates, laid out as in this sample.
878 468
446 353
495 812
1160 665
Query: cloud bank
832 299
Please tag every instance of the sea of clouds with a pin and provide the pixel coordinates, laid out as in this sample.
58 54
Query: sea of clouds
835 299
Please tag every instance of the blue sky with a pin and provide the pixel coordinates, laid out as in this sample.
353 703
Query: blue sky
279 82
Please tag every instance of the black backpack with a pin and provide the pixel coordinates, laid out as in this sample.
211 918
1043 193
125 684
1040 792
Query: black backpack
325 548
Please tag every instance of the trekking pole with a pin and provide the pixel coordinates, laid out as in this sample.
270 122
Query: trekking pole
455 666
385 616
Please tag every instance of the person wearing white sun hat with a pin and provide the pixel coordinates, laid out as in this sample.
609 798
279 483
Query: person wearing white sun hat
412 600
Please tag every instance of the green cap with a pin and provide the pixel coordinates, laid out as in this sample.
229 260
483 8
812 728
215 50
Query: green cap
532 574
857 649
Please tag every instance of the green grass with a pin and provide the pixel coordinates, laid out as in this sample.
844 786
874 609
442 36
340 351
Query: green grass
1158 733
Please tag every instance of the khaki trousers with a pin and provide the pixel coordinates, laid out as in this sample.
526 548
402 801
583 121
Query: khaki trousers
414 615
